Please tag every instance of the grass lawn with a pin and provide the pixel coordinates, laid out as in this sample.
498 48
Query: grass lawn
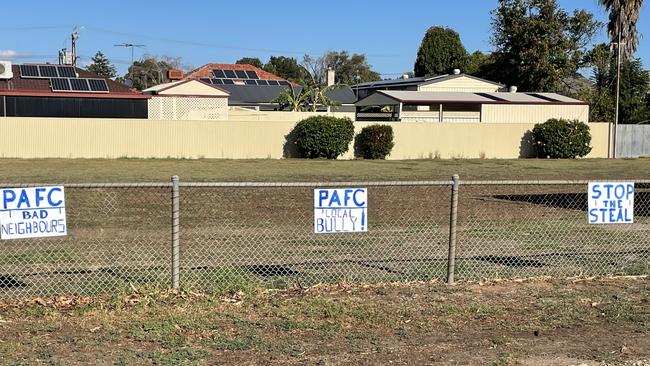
138 170
534 322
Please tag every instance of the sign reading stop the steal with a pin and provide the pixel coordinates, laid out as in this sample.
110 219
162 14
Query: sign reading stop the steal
611 202
32 212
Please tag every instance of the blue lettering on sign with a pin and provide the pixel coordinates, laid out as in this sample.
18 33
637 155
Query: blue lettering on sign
38 198
340 210
7 196
33 227
333 200
32 212
611 203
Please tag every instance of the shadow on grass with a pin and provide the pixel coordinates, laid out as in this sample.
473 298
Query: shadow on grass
10 282
511 261
574 201
271 270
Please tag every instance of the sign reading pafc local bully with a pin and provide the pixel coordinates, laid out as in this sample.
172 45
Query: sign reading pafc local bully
611 202
343 210
32 212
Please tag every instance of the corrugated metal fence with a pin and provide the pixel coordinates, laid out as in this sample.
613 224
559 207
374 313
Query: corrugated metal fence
632 141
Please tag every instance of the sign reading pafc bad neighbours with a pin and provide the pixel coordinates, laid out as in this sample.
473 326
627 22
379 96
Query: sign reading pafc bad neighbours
32 212
342 210
611 202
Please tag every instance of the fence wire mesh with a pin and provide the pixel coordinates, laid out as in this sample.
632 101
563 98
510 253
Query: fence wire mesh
267 233
120 237
507 230
117 237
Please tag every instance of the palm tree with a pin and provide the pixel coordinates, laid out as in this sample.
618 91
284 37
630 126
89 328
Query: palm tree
318 95
623 16
293 97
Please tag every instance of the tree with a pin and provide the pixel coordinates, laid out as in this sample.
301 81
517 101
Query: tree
151 70
102 66
633 101
294 98
253 61
635 86
475 62
315 69
315 83
440 52
623 16
286 68
537 44
350 69
317 95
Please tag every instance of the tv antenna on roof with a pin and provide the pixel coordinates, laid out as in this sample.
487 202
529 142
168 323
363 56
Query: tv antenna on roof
132 46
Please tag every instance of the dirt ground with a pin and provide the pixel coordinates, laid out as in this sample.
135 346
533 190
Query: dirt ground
542 321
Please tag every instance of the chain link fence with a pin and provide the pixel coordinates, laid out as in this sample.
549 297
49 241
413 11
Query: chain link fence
508 229
216 236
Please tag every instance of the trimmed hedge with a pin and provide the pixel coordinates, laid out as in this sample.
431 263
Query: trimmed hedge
561 139
322 137
374 142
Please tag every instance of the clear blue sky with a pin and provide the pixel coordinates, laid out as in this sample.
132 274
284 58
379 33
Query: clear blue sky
388 32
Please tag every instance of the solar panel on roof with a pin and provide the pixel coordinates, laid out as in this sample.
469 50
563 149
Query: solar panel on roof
262 82
252 75
227 81
29 71
273 82
98 85
67 71
60 84
217 81
250 82
230 74
206 80
241 74
48 71
283 82
218 73
79 85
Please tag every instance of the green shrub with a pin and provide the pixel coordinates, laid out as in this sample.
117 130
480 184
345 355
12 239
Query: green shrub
322 137
561 139
374 142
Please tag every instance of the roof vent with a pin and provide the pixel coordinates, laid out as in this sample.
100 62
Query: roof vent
513 89
405 76
456 71
5 70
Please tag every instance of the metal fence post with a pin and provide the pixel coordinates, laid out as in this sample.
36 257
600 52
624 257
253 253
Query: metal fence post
175 233
453 216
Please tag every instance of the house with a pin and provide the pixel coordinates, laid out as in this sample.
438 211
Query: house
187 99
46 90
251 87
474 107
457 82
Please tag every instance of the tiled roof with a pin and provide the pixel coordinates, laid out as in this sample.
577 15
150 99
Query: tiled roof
205 71
27 86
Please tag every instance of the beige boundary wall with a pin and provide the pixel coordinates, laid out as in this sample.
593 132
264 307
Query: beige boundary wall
115 138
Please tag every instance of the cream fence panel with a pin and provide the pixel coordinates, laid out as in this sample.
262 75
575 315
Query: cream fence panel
115 138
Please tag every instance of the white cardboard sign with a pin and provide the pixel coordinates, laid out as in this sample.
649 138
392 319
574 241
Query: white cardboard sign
343 210
611 202
32 212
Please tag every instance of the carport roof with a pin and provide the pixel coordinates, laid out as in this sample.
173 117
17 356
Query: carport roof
393 97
